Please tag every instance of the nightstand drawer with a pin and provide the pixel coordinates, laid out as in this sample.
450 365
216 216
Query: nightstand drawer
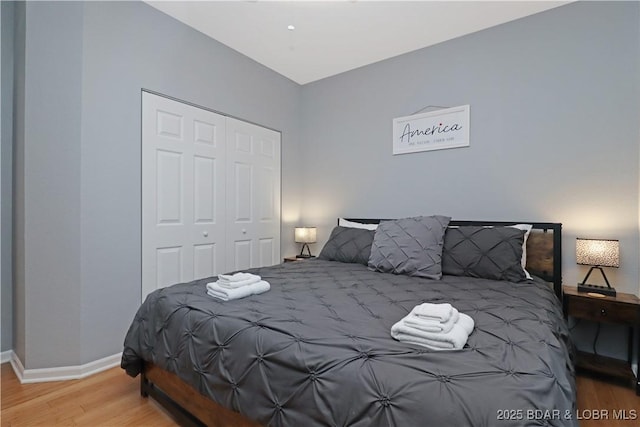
602 311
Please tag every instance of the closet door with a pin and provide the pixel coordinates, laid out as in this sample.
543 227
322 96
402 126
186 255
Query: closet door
253 196
183 193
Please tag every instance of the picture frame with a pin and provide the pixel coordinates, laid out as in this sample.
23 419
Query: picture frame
435 130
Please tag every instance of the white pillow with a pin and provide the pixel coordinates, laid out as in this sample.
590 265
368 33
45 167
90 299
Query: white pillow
527 229
350 224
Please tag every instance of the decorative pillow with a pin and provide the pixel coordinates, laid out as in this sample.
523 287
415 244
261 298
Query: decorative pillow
527 230
348 245
352 224
411 246
485 252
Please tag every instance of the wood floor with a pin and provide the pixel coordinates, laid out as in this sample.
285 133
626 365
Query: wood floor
111 398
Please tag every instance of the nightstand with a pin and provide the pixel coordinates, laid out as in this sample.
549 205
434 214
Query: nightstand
294 258
623 309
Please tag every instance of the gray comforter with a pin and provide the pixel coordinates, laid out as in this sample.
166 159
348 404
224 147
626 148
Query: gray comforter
316 350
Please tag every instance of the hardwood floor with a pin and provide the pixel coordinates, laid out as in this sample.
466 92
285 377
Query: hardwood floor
599 399
111 398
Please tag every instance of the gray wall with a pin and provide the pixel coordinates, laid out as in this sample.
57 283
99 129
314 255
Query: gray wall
18 202
86 65
50 171
129 46
549 103
6 168
555 101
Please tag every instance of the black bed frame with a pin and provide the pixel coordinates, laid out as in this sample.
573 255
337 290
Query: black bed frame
554 277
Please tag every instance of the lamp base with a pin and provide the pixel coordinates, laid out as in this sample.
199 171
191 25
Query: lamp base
604 290
302 254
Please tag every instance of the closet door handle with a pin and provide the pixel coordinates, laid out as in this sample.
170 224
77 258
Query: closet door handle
205 233
244 231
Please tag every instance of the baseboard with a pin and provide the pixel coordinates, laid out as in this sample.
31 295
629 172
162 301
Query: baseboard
63 373
6 356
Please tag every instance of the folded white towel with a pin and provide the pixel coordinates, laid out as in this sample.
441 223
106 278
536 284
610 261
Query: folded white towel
455 339
429 311
233 285
236 293
237 277
431 325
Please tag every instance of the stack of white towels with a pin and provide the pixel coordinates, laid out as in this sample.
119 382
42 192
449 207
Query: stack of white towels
435 326
235 286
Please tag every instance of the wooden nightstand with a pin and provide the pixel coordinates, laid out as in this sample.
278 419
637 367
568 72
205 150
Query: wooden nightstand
294 258
623 309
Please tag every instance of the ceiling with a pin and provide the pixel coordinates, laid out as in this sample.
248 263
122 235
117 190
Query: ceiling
331 37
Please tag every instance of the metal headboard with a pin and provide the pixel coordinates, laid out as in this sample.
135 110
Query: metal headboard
544 246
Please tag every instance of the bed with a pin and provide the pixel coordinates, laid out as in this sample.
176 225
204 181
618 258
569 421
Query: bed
316 349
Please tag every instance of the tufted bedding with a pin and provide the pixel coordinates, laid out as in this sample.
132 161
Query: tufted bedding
316 350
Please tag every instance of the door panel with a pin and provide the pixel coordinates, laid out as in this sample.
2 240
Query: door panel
242 256
205 133
266 251
169 262
242 192
253 195
183 175
243 142
204 260
169 187
204 194
169 125
266 194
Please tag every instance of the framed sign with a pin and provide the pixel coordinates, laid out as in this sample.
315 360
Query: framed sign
435 130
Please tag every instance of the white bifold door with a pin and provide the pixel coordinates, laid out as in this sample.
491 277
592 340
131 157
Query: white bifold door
253 196
210 194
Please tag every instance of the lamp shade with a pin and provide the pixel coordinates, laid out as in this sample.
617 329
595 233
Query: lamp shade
599 252
305 235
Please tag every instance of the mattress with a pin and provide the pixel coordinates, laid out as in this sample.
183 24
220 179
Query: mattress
316 350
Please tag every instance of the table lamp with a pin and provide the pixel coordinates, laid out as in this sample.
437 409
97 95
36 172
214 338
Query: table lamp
305 235
597 253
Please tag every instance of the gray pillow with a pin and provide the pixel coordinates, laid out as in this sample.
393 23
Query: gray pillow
411 246
486 252
348 245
